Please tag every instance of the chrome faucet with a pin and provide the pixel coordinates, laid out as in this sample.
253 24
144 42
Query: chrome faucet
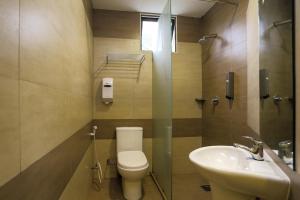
257 150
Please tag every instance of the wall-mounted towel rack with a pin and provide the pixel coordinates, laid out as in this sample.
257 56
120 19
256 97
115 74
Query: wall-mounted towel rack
121 66
125 59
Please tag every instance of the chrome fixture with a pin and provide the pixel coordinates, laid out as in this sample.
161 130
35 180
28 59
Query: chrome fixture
283 22
277 99
256 151
221 1
285 149
276 24
215 100
206 37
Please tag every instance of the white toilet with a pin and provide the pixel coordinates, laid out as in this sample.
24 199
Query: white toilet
132 162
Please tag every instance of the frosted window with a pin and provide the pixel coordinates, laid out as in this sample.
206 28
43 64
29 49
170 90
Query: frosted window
149 35
150 31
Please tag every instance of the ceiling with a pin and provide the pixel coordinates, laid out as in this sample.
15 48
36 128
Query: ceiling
189 8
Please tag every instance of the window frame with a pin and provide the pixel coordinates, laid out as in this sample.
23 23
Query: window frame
154 18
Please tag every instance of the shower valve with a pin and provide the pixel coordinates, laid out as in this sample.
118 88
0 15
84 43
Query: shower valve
215 100
277 99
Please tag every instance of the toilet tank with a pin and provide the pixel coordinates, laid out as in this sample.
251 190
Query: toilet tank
129 139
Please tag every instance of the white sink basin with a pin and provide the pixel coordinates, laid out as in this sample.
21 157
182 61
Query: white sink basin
234 175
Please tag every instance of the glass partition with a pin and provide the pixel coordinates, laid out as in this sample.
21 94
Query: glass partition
162 103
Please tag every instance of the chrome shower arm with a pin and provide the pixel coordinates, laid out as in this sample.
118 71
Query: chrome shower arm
221 1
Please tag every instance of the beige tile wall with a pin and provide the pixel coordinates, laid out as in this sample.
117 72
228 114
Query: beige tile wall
226 122
189 29
55 74
46 89
116 24
133 97
187 80
9 90
132 92
76 189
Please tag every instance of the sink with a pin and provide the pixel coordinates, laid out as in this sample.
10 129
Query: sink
234 175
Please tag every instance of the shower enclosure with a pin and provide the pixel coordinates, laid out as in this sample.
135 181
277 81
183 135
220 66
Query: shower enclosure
162 104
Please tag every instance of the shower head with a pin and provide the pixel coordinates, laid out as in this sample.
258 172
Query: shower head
221 1
206 37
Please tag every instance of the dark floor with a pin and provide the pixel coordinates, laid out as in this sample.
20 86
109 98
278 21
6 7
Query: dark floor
188 187
185 187
112 190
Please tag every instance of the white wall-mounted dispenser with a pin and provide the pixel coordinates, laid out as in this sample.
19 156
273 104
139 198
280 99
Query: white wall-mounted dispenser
107 90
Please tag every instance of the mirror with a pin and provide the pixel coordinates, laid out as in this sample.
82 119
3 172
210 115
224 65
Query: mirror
276 77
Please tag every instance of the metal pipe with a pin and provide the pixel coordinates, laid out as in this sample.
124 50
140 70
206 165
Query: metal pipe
221 1
209 36
279 23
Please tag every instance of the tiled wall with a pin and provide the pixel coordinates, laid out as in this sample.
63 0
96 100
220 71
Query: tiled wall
187 85
187 80
54 75
31 184
45 74
116 24
132 90
188 29
9 91
80 184
187 70
226 122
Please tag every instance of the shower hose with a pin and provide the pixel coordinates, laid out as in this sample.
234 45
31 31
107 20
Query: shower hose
97 174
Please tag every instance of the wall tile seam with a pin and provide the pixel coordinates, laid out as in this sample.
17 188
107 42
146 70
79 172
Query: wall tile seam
6 76
54 88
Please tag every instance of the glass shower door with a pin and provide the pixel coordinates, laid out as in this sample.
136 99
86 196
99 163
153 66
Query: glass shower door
162 103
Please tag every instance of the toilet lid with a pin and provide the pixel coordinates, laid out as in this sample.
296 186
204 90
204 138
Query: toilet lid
132 159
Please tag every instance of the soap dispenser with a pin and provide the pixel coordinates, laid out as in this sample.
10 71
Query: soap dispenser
107 90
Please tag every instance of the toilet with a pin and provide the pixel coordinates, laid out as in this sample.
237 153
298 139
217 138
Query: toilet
132 162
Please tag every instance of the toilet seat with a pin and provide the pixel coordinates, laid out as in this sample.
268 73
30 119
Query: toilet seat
132 160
